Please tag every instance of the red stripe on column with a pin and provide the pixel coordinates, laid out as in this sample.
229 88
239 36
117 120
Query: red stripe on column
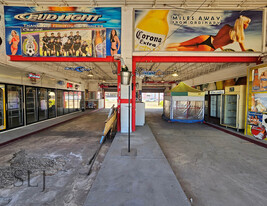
119 97
125 101
133 95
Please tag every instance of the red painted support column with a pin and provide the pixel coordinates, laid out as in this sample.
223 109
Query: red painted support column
133 94
119 96
104 94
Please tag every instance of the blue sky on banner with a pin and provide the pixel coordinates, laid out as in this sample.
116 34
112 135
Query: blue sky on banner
111 15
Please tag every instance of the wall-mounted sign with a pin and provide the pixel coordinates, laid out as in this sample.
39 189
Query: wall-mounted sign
63 31
69 85
61 17
0 36
34 76
203 30
158 73
78 69
217 92
60 83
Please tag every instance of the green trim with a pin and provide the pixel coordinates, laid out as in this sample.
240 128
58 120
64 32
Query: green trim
179 93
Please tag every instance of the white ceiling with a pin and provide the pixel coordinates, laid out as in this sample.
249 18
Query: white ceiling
137 3
107 71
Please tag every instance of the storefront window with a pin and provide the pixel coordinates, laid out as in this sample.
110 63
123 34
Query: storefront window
2 107
66 102
51 103
14 106
79 100
82 103
60 103
71 101
31 105
76 108
42 103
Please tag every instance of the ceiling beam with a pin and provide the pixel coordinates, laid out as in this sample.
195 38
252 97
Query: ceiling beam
35 3
94 2
65 3
241 3
98 67
3 2
155 3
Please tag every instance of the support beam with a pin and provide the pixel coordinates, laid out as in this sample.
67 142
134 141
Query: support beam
61 59
194 59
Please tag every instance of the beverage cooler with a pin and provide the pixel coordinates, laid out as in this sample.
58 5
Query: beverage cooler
213 106
233 107
2 108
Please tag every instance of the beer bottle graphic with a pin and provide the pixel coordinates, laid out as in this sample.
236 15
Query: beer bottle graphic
99 45
151 31
256 81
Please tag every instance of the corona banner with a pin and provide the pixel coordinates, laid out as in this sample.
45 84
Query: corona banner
186 30
62 31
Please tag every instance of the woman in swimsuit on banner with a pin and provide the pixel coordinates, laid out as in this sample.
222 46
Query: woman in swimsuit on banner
14 41
114 40
226 35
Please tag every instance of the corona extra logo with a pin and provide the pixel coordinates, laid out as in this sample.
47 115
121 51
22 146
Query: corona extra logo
61 17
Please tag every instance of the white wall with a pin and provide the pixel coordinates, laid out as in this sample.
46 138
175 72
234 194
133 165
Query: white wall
265 30
93 86
2 35
11 75
224 74
127 35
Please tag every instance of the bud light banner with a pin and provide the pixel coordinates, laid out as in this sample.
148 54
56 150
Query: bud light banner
186 30
63 31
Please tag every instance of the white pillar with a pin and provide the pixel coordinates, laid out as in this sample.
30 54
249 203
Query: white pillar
126 54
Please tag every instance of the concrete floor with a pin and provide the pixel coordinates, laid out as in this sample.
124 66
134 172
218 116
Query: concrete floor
214 168
74 142
143 180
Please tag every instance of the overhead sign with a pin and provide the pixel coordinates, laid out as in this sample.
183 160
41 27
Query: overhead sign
34 76
202 30
60 82
157 73
217 92
78 69
35 31
69 85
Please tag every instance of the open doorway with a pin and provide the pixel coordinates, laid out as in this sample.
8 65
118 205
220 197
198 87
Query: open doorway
153 100
110 99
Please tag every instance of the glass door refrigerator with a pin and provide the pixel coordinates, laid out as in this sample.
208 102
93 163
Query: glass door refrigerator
213 108
233 107
2 107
